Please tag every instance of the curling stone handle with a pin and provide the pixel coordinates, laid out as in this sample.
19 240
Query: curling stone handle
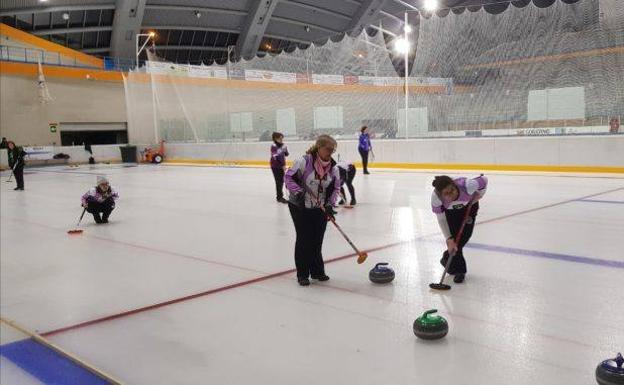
428 312
381 264
619 360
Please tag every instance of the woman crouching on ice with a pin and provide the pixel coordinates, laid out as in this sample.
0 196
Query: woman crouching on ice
100 199
449 201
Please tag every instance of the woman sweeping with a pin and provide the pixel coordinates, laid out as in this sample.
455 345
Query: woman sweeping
314 185
449 201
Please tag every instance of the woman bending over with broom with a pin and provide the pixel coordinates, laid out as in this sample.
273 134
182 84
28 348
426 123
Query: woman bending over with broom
449 201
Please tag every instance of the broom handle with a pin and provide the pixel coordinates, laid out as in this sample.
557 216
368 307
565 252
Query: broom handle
466 215
81 215
343 233
457 238
12 172
332 220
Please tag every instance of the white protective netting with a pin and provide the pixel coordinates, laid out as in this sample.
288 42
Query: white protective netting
561 66
557 69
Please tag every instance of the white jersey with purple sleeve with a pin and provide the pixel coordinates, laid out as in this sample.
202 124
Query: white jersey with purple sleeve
301 178
467 188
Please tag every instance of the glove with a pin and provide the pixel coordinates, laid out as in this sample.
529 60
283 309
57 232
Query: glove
85 205
330 212
300 199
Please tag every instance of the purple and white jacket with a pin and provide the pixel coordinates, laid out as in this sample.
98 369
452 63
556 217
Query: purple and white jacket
467 188
326 190
278 155
96 195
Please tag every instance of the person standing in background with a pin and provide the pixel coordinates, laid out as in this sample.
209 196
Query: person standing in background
4 144
347 173
16 163
364 147
279 152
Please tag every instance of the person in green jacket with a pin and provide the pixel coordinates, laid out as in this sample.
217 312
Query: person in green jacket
16 162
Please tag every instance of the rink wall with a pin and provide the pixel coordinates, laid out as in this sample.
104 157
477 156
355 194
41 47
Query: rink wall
597 153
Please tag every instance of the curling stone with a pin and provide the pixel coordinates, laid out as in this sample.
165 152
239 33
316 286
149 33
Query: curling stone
381 273
430 326
611 372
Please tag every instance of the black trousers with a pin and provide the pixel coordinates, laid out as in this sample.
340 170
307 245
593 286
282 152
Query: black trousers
310 225
364 155
19 176
347 176
454 219
278 175
106 208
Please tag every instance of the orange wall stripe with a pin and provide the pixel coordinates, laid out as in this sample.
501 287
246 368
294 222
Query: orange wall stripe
46 45
246 84
27 69
541 59
30 69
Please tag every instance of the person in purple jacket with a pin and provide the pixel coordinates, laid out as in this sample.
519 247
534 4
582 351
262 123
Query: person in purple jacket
364 147
100 199
279 152
449 201
314 185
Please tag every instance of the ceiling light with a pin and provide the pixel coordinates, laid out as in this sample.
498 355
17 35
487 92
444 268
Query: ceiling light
401 45
430 5
407 28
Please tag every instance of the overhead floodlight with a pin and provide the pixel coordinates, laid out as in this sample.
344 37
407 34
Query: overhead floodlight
152 34
407 28
430 5
401 45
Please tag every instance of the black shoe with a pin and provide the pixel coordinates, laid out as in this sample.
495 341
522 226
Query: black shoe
282 200
366 173
17 188
353 202
321 278
104 219
303 281
342 202
459 278
97 218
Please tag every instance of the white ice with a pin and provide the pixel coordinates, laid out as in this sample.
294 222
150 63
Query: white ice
527 313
